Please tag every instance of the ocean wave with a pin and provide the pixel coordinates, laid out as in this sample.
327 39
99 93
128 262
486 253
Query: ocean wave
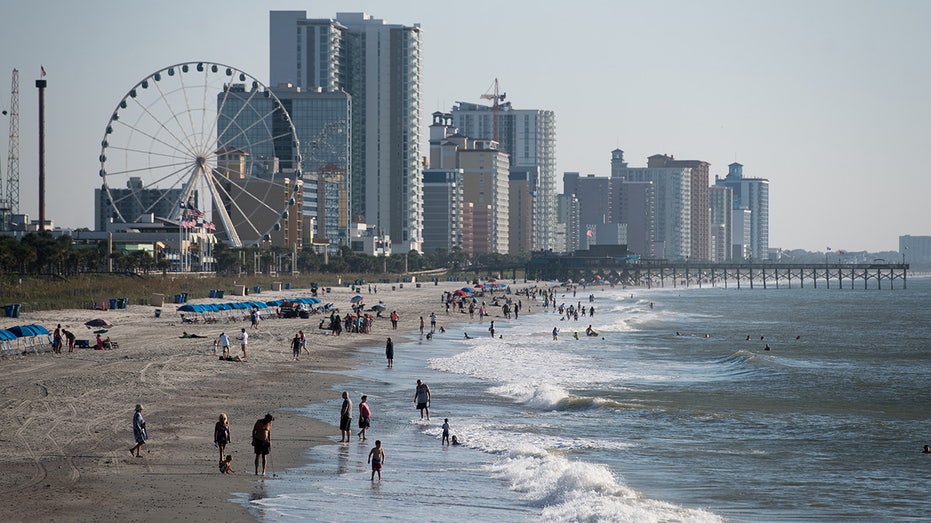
568 490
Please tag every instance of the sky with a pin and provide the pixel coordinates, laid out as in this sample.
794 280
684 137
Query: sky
828 100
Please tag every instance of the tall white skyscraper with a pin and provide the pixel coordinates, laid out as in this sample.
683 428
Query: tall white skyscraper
529 136
751 194
379 65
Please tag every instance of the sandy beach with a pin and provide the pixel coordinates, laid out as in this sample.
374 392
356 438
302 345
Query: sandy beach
66 420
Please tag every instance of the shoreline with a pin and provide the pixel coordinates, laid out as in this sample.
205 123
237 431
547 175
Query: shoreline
65 425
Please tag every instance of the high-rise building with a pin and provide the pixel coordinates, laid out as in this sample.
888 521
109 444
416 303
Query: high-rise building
567 214
442 209
634 206
379 66
529 137
522 191
915 249
721 203
594 203
698 194
485 182
672 204
751 194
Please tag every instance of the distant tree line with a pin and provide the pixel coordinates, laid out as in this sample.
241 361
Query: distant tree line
43 254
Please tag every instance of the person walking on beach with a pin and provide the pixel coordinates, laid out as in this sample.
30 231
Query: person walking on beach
394 320
345 419
432 321
303 342
555 333
262 441
365 416
422 398
224 342
221 434
296 346
243 341
445 432
491 328
377 458
139 432
421 326
389 352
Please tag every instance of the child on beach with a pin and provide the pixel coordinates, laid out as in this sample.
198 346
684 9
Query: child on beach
226 466
377 458
445 432
456 442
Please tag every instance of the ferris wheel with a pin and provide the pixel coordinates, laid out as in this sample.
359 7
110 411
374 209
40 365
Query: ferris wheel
202 145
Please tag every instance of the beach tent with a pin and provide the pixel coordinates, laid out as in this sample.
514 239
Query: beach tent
357 299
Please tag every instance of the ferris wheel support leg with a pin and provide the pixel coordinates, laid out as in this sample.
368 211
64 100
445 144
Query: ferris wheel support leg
221 210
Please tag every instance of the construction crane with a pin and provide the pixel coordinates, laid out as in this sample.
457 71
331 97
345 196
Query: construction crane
492 94
12 166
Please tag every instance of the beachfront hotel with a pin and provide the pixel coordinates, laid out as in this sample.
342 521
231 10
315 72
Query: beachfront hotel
529 137
379 66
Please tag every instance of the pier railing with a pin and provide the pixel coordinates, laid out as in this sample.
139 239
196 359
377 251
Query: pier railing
663 273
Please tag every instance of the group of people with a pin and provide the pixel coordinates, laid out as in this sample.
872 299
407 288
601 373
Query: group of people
222 343
58 339
422 398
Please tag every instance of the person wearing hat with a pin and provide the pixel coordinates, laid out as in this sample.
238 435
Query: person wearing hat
262 441
139 432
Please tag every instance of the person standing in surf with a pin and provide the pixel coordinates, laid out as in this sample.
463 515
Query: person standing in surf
422 398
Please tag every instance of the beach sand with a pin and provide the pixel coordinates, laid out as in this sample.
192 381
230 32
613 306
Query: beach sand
66 419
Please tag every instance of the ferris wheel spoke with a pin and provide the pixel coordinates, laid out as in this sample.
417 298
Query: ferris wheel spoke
187 102
183 152
161 124
226 96
242 133
150 168
171 110
246 104
145 152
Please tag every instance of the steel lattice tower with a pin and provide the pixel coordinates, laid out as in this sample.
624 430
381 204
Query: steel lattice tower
12 166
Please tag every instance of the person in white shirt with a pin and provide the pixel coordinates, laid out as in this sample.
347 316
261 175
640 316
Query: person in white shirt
243 341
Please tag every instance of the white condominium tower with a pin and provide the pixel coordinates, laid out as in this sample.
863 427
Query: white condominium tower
529 136
379 65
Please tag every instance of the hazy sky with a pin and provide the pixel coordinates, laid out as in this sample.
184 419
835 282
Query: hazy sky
829 100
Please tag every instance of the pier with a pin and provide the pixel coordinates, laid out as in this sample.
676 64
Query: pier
750 275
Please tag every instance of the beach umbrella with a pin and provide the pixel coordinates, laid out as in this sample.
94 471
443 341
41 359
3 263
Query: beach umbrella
357 299
378 308
466 290
22 331
98 322
6 335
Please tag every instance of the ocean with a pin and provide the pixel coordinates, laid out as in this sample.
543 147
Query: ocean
670 413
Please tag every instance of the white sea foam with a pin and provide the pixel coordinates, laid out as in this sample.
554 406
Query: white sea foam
568 490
